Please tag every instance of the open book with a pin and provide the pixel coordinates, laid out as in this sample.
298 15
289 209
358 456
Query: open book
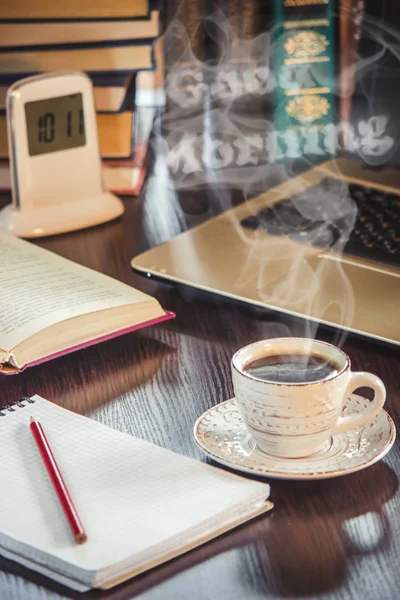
50 306
140 504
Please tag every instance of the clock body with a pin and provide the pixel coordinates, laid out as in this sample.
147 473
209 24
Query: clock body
55 163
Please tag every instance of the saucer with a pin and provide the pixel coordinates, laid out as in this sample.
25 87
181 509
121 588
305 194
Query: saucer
222 435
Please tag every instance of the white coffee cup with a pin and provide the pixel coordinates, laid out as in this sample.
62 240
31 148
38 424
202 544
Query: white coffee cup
297 419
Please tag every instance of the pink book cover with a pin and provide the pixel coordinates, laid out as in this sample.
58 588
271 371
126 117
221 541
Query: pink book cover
136 166
167 315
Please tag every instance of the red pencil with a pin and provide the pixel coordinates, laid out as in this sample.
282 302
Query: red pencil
58 482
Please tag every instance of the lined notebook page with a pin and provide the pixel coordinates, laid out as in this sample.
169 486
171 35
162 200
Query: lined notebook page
131 495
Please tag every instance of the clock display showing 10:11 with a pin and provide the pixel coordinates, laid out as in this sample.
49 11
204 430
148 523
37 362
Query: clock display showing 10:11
55 124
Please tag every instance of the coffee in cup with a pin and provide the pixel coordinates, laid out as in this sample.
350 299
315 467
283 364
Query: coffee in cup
292 368
291 393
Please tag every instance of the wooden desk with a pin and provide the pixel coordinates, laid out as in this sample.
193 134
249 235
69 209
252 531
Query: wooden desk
329 539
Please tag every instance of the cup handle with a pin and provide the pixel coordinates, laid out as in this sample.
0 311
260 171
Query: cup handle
361 379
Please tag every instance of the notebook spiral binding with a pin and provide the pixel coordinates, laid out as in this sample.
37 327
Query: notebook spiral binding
5 408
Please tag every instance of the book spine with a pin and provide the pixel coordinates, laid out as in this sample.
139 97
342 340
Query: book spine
238 24
190 14
48 12
54 48
305 67
128 103
250 19
351 19
185 51
97 60
232 12
242 18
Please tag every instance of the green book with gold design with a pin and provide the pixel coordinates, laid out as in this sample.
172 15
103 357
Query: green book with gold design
304 64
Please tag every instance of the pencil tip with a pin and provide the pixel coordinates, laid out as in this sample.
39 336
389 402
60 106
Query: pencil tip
33 419
80 538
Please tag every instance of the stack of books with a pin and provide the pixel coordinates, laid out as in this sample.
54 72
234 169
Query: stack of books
113 42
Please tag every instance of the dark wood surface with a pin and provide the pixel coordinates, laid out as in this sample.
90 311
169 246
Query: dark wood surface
328 539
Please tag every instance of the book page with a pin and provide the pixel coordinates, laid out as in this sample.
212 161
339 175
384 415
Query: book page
39 288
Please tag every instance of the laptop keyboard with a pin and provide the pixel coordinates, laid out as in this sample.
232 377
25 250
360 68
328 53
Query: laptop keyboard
323 215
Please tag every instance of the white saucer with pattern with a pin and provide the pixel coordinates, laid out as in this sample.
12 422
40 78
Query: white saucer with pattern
222 435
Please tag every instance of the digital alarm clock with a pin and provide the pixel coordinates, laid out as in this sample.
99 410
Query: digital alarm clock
55 164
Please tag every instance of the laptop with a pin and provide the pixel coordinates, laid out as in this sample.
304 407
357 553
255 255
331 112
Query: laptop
323 245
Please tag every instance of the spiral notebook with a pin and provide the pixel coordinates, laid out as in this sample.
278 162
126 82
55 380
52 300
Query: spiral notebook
140 504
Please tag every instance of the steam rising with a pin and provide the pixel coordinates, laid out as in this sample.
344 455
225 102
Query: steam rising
215 133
